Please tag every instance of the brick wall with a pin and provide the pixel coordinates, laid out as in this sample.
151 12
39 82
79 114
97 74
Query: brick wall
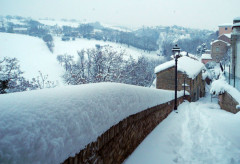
228 103
117 143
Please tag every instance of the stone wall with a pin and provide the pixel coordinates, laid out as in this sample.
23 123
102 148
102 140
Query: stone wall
117 143
228 103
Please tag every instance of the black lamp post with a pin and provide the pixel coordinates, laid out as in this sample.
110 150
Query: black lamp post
176 51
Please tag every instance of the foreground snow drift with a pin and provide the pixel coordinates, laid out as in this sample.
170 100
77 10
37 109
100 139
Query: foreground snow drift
48 126
200 133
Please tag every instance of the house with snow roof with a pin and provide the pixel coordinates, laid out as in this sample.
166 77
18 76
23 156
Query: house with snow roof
219 49
225 37
189 70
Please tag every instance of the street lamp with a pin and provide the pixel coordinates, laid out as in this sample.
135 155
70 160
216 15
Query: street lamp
176 54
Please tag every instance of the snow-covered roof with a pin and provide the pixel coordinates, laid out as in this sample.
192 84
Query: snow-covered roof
206 56
227 35
220 86
184 53
215 41
236 19
190 66
236 24
49 125
225 25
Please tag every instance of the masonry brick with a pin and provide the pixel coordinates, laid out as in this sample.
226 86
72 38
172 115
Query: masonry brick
117 143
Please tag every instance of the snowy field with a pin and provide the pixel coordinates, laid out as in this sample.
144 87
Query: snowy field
71 48
49 125
201 133
34 55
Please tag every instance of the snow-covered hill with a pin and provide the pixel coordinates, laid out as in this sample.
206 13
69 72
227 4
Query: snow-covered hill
34 55
71 48
49 125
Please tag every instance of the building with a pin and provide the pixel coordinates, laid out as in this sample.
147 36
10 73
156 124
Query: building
235 40
219 49
225 29
206 58
189 70
225 38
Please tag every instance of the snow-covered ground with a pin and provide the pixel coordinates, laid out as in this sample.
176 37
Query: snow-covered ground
34 55
200 133
49 125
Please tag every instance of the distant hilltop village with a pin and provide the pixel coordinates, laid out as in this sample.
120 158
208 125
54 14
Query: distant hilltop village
226 47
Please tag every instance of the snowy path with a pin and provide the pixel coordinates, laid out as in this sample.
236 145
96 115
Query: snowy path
201 133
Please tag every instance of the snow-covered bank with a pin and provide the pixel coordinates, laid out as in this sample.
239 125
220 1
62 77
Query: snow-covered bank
201 133
49 125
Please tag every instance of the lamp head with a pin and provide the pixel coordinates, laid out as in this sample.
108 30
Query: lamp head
176 51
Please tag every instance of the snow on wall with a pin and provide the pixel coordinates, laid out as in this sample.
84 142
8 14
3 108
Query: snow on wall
49 125
220 86
186 64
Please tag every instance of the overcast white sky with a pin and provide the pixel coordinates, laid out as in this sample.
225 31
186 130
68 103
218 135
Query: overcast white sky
203 14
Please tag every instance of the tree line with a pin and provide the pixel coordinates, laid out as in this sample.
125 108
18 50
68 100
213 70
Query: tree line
104 64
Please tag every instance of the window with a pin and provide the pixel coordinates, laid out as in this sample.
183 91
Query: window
217 49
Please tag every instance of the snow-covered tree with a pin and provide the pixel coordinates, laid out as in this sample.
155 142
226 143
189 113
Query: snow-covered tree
201 49
105 64
11 79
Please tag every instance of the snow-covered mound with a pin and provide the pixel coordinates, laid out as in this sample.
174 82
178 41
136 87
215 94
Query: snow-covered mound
49 125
